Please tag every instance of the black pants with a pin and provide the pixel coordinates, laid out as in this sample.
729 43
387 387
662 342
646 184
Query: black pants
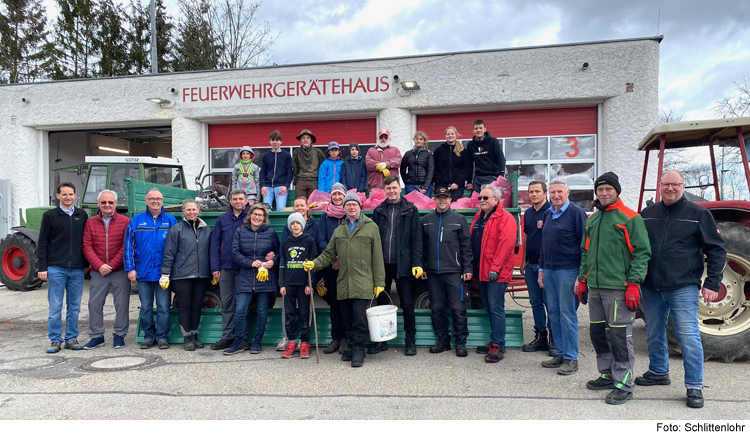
480 180
338 330
403 287
447 290
354 312
297 310
189 295
456 194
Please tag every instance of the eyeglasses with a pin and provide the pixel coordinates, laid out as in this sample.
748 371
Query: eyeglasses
256 215
383 137
485 198
155 199
107 202
674 185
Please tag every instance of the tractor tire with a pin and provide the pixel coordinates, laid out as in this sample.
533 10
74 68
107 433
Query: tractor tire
725 323
19 263
212 298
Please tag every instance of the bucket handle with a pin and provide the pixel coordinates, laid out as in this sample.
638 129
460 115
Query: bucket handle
373 298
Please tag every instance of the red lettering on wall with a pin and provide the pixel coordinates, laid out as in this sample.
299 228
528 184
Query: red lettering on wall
359 85
384 83
324 81
257 90
234 90
346 85
184 94
267 90
214 91
335 86
290 89
313 85
301 88
573 142
223 93
200 94
373 88
283 91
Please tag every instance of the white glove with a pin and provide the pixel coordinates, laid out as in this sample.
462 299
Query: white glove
164 282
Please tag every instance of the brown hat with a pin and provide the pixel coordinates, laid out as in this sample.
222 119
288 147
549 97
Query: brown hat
306 131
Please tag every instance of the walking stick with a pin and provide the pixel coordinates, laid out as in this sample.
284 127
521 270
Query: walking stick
315 319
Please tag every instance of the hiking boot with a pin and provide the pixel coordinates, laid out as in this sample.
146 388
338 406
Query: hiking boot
73 345
539 344
97 342
494 354
568 367
163 344
618 396
189 343
377 348
54 347
333 347
441 345
222 344
483 349
304 350
358 357
552 347
461 351
410 348
600 383
118 342
283 343
652 379
344 346
198 344
290 347
236 347
147 344
553 363
694 398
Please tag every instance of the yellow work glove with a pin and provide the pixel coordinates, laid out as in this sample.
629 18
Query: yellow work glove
308 265
262 274
321 288
417 272
386 172
380 166
378 290
214 281
164 282
314 203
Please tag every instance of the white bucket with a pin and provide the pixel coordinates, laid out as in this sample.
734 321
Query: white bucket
382 322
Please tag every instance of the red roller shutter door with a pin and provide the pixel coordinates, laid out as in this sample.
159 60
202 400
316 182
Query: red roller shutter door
361 130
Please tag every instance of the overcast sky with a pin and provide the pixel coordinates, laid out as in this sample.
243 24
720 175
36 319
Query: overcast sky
706 43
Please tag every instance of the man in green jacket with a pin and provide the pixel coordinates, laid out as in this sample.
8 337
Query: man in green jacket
356 244
614 260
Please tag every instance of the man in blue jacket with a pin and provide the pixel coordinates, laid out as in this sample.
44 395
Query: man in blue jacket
275 173
144 250
223 267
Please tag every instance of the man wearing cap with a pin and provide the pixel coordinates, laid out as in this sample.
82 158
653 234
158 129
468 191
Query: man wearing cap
398 222
447 255
614 259
381 160
246 175
487 156
306 162
330 170
356 244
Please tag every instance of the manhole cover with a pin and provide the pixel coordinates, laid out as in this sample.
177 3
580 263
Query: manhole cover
119 363
25 364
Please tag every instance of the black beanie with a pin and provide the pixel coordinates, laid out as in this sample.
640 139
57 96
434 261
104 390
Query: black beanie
609 178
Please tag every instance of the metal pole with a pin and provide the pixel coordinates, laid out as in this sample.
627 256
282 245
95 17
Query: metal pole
154 59
662 144
643 180
713 169
743 153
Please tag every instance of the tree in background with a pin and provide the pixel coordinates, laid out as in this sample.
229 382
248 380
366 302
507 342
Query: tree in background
22 40
195 46
737 104
74 48
139 37
243 44
111 40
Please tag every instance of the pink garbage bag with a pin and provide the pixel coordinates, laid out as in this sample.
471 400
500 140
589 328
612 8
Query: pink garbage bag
507 191
421 201
377 196
318 200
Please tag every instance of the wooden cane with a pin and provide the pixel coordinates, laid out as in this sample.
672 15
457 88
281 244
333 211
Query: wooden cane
315 319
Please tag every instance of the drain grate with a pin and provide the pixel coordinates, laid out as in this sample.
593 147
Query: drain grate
119 363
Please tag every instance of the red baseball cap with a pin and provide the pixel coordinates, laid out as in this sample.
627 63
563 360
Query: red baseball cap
384 132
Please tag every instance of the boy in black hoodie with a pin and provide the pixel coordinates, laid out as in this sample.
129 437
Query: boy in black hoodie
294 285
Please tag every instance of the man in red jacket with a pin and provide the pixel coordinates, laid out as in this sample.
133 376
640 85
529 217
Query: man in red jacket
103 243
493 238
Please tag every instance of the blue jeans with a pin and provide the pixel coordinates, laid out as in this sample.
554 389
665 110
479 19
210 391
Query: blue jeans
683 304
240 314
146 292
274 193
562 305
409 188
68 283
537 298
493 299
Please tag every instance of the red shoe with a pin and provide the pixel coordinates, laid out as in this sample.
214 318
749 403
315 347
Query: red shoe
495 354
304 350
289 350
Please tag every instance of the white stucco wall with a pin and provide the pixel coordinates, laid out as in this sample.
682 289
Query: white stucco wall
465 82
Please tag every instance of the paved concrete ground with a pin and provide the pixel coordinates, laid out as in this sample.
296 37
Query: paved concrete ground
174 384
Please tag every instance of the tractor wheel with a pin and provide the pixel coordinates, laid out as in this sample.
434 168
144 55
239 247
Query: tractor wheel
725 322
19 263
212 297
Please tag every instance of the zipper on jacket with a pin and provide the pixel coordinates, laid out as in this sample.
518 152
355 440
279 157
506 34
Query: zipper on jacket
440 238
390 241
255 254
596 255
70 246
106 238
275 156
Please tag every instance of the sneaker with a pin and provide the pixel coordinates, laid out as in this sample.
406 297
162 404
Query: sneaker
163 344
333 347
539 344
344 346
73 345
145 345
236 347
618 396
553 363
568 367
377 348
601 383
461 351
189 343
198 344
256 348
694 398
441 345
652 379
54 347
96 343
410 348
222 344
119 342
483 349
304 350
282 345
494 354
290 347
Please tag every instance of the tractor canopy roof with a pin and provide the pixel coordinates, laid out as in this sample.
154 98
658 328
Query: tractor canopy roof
686 134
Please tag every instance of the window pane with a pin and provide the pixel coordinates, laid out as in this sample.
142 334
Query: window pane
577 147
583 199
163 175
120 172
224 157
577 174
526 148
527 173
97 182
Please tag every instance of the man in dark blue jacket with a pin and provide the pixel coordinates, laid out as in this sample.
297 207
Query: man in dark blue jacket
144 251
275 173
487 156
223 267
